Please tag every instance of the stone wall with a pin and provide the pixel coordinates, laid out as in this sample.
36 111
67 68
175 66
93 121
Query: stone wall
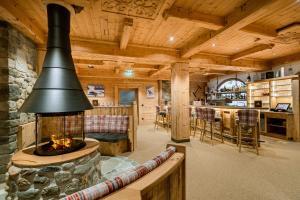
17 76
54 181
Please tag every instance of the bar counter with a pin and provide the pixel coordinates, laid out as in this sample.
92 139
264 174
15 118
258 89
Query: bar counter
275 124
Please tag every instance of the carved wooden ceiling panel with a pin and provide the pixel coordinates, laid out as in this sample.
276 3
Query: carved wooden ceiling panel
138 8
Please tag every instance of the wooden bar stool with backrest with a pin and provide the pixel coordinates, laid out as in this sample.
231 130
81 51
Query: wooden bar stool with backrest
157 116
192 121
168 118
200 117
248 120
209 118
219 120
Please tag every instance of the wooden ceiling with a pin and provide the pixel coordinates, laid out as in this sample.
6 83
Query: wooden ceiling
214 36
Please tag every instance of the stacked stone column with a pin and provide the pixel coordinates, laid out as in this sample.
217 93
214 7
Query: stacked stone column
17 77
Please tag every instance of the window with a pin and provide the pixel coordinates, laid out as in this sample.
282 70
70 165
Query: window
230 84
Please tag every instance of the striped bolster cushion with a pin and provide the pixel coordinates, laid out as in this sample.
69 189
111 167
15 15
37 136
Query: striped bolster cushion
127 177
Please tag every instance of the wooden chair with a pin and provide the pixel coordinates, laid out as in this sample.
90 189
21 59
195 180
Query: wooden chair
211 119
192 121
168 119
157 117
200 118
248 120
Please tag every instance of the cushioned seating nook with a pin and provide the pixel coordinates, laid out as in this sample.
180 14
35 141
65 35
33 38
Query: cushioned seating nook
110 130
139 182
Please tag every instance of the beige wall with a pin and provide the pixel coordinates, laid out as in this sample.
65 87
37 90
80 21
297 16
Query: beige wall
146 106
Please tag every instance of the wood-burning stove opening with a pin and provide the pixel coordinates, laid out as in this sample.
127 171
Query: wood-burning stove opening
59 133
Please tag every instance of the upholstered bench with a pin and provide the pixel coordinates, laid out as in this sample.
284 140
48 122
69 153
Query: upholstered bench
162 177
110 130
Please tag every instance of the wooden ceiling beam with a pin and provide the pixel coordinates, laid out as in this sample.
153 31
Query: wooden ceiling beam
285 59
213 22
127 29
90 73
161 68
260 31
101 50
11 12
252 50
224 63
242 16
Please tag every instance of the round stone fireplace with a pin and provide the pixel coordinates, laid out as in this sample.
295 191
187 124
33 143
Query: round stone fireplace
53 177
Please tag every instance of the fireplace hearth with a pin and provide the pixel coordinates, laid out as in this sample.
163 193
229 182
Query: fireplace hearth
59 133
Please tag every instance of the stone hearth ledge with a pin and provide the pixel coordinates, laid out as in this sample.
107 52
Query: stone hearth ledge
26 157
52 177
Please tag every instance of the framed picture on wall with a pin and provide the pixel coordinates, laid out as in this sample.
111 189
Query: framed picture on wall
150 92
95 91
95 102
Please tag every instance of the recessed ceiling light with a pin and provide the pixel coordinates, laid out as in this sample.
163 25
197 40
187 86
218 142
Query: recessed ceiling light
213 45
129 73
171 38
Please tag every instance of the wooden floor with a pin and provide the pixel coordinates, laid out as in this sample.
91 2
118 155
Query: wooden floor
220 172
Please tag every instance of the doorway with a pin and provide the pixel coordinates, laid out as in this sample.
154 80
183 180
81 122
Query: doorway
127 96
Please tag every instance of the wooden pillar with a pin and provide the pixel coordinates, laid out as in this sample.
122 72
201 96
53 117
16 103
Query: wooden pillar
180 102
159 92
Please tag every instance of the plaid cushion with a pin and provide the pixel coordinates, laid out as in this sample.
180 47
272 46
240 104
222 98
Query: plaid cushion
73 124
91 124
210 114
88 123
200 113
123 128
248 117
127 177
114 122
104 123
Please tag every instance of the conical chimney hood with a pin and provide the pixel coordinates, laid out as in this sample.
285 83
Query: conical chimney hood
58 89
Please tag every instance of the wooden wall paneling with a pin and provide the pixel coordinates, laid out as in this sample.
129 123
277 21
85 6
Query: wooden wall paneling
180 102
26 135
146 106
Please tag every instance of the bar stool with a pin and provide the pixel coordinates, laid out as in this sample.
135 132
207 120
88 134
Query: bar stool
157 117
211 119
192 120
248 120
200 117
168 120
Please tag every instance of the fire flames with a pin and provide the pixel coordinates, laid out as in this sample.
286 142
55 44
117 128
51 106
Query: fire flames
58 143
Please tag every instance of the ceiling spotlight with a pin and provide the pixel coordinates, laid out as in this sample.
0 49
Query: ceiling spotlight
128 73
171 38
213 45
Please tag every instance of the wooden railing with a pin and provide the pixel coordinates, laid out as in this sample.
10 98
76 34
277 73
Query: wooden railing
166 182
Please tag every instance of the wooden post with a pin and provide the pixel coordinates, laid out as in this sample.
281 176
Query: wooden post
180 102
135 124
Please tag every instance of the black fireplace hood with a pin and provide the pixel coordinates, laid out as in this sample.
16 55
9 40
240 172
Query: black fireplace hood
58 89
